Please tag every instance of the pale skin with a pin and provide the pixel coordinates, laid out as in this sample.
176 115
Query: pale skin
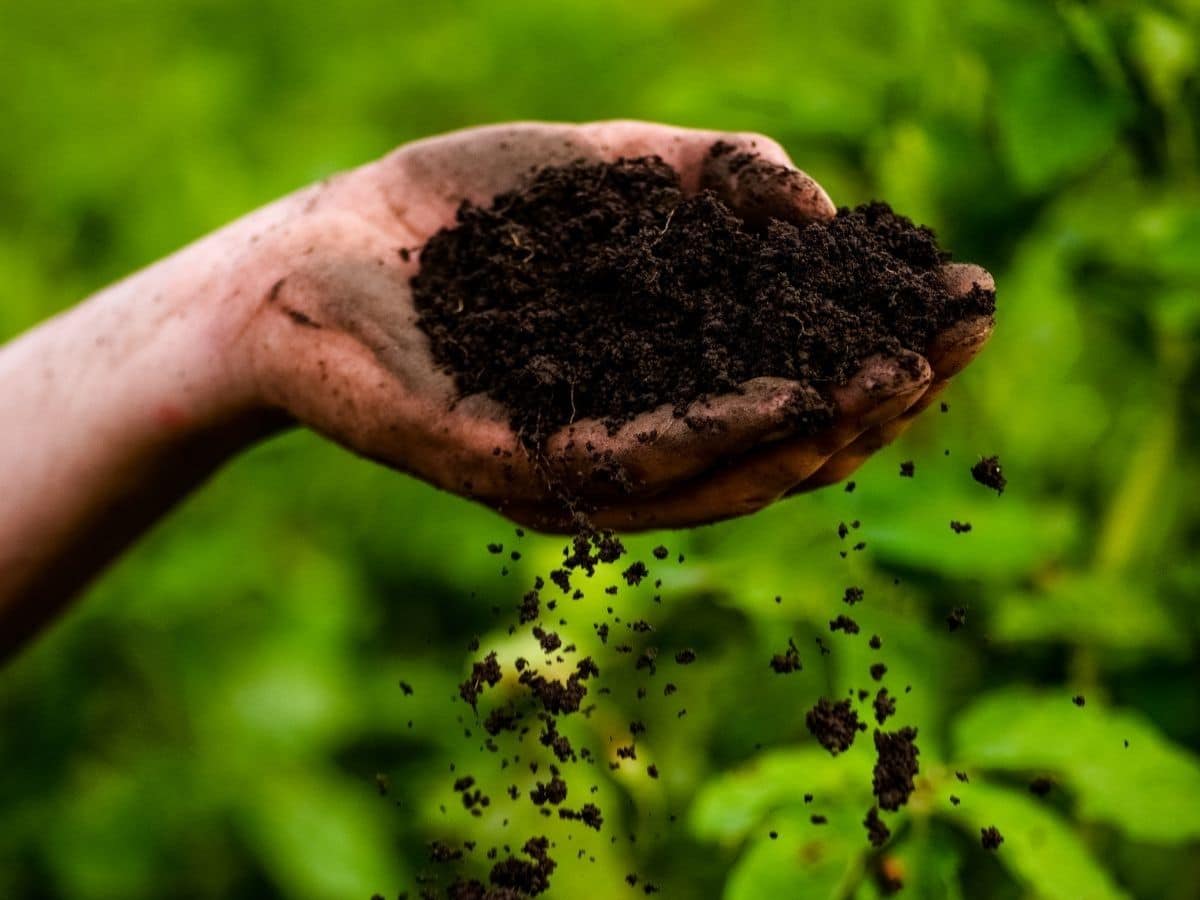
299 314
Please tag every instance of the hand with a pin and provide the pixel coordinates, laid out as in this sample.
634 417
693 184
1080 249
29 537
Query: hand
332 339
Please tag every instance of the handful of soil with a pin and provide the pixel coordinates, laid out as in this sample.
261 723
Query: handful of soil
600 291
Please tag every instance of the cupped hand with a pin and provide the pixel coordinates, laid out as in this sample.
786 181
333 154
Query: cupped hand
333 340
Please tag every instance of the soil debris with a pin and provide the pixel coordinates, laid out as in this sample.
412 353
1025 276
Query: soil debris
895 767
991 838
834 725
988 473
877 831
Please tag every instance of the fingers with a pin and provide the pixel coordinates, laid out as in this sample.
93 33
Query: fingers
962 277
954 348
750 172
883 389
759 189
845 462
659 448
948 354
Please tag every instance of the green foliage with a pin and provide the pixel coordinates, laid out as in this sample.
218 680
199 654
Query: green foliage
1042 851
210 722
1117 765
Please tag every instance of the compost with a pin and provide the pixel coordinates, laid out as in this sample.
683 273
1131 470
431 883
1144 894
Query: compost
600 290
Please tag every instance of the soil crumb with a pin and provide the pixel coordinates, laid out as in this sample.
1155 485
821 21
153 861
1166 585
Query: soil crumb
877 832
895 766
991 838
834 725
988 473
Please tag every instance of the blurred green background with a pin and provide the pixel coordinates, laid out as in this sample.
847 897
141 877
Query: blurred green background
210 722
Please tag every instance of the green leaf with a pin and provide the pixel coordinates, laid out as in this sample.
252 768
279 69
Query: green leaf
1055 117
1011 538
807 861
1165 51
1150 790
1040 849
322 837
729 806
1090 610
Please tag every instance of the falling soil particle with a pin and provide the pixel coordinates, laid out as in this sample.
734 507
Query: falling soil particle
853 595
685 657
877 831
878 670
988 473
959 527
885 706
957 618
1040 786
553 792
907 468
600 291
834 725
844 623
991 838
895 766
1079 700
635 573
485 672
787 662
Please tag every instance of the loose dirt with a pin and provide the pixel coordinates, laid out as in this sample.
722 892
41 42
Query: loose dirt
600 291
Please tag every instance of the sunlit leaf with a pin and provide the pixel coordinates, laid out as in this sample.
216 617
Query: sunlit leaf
1042 852
1148 789
730 805
805 861
1092 610
1055 117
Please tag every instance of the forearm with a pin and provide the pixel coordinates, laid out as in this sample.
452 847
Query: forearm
111 413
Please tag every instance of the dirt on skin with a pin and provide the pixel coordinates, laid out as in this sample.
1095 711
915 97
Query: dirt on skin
600 291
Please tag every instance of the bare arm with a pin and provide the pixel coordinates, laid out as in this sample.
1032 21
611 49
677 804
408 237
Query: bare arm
301 312
111 413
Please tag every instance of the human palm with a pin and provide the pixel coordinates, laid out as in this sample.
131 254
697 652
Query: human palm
335 342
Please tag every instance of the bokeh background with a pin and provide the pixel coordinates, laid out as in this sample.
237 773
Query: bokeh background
211 720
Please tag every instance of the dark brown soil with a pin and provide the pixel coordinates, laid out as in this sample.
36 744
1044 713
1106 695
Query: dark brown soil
600 291
1041 786
877 832
885 706
788 661
991 838
895 767
834 725
988 473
